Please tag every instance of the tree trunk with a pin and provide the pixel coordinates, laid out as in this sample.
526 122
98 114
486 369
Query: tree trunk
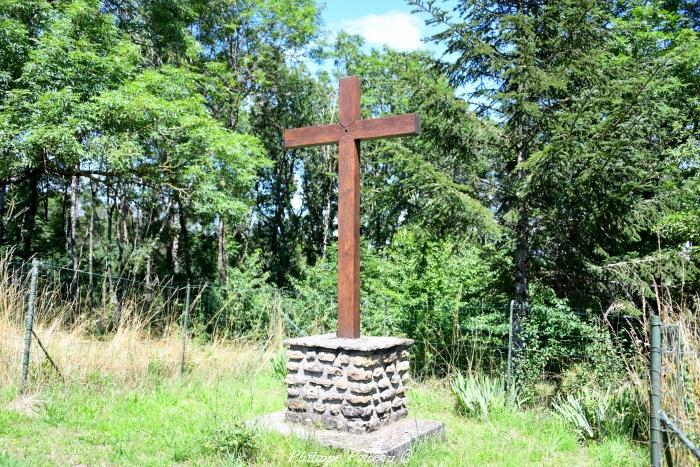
174 251
328 195
148 272
64 210
326 223
30 214
117 289
184 235
91 237
74 187
522 256
110 213
223 253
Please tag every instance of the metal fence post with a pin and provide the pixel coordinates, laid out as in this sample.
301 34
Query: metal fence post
509 367
29 324
185 328
655 390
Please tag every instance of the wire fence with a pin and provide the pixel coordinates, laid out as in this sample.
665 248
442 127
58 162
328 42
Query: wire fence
142 321
57 321
59 324
673 436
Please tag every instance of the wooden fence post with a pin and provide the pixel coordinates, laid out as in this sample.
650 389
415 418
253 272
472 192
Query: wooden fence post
29 324
185 328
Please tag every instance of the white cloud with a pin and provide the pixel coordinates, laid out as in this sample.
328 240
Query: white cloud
396 29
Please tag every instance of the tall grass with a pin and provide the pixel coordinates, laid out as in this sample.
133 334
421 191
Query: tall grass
140 346
680 376
593 412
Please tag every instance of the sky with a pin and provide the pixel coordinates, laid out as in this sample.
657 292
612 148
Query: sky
379 22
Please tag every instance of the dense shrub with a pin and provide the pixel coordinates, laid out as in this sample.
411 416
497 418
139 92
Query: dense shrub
567 347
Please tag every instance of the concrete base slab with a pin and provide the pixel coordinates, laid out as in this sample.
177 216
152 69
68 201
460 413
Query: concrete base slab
387 443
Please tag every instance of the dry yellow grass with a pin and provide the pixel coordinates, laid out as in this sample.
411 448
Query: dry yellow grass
129 355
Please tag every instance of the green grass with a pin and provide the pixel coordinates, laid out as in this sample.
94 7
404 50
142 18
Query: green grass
168 423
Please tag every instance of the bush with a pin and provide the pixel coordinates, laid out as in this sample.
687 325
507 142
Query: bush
244 306
234 440
560 341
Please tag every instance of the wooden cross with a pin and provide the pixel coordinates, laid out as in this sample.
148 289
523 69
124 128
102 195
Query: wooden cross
348 133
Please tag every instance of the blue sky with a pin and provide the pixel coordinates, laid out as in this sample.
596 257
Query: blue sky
379 22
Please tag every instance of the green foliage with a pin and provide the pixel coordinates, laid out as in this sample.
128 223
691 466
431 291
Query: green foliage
419 287
279 364
594 414
431 180
597 104
157 126
572 412
245 305
557 340
479 395
234 440
46 113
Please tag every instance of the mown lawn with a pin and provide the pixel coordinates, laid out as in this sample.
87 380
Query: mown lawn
175 422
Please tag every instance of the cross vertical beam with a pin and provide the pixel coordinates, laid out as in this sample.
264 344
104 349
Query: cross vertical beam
349 213
348 133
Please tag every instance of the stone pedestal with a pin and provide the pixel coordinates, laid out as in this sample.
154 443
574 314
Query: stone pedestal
353 385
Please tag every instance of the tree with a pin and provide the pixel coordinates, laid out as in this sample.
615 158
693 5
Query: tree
83 112
437 180
45 124
571 85
618 154
157 128
524 60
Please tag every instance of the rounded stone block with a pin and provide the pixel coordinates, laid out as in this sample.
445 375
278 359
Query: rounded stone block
313 368
326 357
362 389
355 374
294 380
364 362
359 400
383 383
295 404
355 412
321 382
341 384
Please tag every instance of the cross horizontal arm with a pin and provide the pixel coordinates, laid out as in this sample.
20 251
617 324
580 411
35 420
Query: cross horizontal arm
399 125
313 136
